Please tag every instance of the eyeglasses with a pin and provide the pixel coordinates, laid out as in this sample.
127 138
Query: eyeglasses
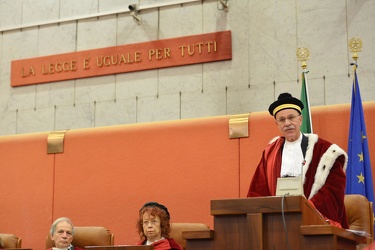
290 118
152 222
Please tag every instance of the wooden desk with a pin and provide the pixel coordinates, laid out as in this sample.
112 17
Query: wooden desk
119 248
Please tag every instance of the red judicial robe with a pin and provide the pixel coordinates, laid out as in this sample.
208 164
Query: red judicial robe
164 244
323 176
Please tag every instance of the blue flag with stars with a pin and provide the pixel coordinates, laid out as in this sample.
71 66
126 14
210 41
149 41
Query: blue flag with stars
358 172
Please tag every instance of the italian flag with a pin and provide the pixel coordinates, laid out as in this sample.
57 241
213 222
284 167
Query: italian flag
306 126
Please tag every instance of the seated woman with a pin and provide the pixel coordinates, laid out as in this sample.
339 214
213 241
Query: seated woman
61 233
154 227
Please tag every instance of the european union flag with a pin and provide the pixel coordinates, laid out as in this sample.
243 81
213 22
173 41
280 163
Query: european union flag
358 172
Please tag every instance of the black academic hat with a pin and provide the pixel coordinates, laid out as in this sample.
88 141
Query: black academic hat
285 101
155 204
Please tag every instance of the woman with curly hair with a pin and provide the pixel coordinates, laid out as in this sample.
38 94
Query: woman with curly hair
154 227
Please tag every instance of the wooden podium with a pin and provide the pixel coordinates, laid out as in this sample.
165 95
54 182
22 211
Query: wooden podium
270 223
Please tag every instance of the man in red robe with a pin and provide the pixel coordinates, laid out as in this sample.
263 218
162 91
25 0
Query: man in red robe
320 163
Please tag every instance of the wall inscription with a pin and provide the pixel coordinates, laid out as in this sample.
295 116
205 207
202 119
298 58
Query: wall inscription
164 53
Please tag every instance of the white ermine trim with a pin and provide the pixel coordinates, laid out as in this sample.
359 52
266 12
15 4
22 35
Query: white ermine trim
324 167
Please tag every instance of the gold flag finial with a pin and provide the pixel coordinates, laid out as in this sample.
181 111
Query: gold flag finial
355 45
303 55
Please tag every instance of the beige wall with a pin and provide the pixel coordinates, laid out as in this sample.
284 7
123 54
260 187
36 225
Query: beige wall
265 36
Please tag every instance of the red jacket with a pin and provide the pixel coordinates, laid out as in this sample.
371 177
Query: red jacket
165 244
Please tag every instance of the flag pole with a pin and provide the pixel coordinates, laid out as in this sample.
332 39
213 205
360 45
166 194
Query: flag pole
303 55
355 46
358 170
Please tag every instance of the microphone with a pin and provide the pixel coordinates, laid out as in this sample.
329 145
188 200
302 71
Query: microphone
303 164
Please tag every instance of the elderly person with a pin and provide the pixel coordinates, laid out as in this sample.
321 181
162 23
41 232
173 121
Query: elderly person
320 163
61 233
154 227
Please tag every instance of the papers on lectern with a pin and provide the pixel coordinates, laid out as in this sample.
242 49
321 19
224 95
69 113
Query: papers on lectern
289 186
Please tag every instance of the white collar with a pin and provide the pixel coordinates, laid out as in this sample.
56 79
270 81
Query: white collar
65 248
150 242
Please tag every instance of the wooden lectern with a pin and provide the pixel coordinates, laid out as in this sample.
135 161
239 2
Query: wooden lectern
267 223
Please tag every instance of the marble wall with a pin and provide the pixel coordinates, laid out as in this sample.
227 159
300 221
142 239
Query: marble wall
265 36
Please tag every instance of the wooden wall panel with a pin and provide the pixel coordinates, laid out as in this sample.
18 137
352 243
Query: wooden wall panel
27 188
106 174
